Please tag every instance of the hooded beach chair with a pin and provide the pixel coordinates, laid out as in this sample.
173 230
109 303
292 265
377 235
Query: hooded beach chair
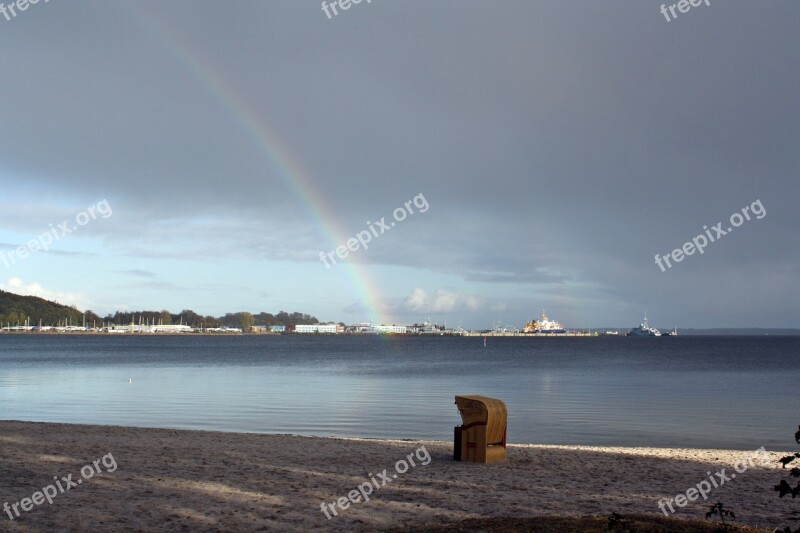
482 436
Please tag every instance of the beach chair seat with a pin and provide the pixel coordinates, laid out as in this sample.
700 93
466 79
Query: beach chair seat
482 436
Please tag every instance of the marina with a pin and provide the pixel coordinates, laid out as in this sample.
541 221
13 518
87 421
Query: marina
541 327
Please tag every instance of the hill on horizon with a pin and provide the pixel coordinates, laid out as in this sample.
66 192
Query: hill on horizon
16 310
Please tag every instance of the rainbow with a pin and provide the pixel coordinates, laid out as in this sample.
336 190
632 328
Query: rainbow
290 171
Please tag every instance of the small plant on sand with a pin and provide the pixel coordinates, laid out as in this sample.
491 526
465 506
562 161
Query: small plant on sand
719 509
787 529
784 488
615 522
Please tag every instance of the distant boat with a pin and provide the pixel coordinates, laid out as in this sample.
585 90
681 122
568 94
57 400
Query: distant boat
544 325
644 330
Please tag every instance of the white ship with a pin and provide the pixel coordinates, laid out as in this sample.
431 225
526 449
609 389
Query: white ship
644 330
543 325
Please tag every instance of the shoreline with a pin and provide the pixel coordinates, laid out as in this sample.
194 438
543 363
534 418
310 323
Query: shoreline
615 448
292 334
207 480
471 334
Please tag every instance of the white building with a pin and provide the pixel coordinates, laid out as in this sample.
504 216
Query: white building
317 328
154 328
391 329
223 329
168 328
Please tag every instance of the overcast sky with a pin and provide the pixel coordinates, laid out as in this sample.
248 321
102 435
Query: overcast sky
558 146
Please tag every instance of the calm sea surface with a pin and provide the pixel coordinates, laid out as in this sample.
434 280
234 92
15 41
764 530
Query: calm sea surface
728 392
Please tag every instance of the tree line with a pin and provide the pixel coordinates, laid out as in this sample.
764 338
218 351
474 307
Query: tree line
15 310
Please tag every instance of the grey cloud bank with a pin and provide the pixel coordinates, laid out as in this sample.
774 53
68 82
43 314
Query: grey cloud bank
557 154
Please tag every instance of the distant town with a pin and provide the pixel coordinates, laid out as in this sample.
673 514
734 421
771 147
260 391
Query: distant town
32 315
163 323
189 322
366 328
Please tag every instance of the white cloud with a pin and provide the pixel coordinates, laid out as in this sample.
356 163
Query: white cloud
17 286
442 301
499 308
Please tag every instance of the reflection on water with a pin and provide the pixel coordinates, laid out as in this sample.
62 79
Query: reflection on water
701 392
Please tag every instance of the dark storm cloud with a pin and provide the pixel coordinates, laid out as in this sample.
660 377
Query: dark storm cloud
558 143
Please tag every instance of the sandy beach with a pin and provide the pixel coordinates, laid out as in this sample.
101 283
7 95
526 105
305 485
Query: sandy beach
169 480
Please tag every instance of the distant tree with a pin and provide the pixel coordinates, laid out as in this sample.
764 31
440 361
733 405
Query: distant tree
295 318
266 319
165 317
190 318
92 318
230 320
211 322
12 317
246 321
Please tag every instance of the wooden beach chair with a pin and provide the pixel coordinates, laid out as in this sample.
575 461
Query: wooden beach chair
482 436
